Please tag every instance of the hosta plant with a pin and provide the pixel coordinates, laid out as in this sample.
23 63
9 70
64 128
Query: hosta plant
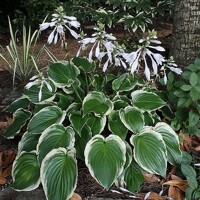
108 120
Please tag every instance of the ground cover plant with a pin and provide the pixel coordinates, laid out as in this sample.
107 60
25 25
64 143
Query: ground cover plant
101 108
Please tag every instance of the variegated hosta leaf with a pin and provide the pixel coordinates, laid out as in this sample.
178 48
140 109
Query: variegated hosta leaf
97 103
133 177
20 118
97 124
132 118
83 63
148 101
26 172
54 137
116 126
171 140
28 142
22 102
150 151
59 174
105 158
33 93
63 73
45 118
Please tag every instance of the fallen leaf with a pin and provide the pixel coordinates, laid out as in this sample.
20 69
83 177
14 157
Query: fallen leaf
9 120
3 125
152 196
186 144
6 158
7 172
2 181
151 178
175 193
174 177
181 184
76 197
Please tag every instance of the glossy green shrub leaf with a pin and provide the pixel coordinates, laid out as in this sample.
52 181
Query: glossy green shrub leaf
193 118
133 177
59 174
33 93
54 137
20 118
84 64
77 121
148 101
63 73
97 103
81 141
97 124
26 172
125 82
186 87
22 102
195 93
45 118
132 118
194 79
171 140
105 158
28 142
150 151
116 126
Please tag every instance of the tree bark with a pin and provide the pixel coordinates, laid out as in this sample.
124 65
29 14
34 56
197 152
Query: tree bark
186 32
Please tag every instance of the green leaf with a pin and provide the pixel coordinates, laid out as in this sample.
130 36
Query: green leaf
195 93
116 126
81 141
150 151
28 142
45 118
125 82
59 174
120 101
186 87
148 101
54 137
84 64
193 118
133 177
97 124
105 158
63 73
98 103
22 102
64 100
132 118
186 158
190 174
171 140
148 118
26 172
194 79
20 118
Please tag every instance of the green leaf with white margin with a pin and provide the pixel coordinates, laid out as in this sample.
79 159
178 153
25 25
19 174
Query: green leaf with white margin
77 121
171 140
148 101
45 118
59 174
85 64
20 118
96 123
54 137
105 158
28 142
63 73
116 126
22 102
81 141
33 93
132 118
26 172
150 151
133 177
97 103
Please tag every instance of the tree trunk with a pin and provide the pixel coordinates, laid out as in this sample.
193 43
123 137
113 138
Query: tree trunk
186 32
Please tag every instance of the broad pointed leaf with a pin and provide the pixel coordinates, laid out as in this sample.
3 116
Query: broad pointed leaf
20 118
171 140
54 137
84 64
105 158
45 118
59 174
146 100
26 172
150 151
132 118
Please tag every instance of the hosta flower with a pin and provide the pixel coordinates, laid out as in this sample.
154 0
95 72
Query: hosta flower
61 23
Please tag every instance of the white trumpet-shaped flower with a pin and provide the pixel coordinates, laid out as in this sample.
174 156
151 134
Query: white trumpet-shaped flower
61 23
